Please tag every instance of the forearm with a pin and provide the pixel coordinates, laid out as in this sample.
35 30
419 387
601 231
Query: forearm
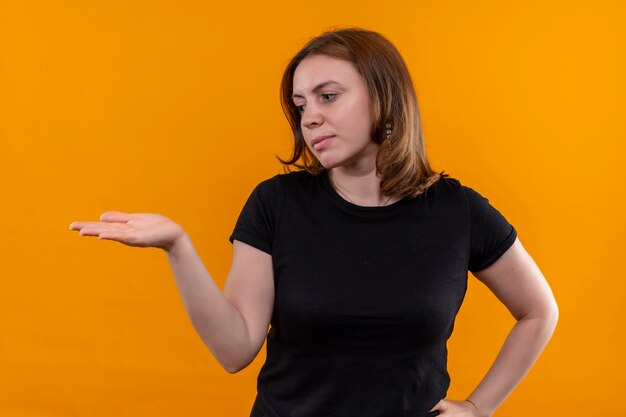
522 347
218 323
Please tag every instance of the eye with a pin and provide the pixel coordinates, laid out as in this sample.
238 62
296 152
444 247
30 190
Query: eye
327 97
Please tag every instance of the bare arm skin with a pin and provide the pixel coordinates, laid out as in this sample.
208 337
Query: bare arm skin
518 283
232 324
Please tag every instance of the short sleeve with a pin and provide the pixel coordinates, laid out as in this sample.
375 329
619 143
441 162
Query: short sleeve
490 233
256 223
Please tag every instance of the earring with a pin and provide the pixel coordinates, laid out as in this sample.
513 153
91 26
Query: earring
388 129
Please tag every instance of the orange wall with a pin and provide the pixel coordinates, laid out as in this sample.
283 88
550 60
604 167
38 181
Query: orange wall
172 108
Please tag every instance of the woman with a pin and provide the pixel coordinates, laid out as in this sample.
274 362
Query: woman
359 259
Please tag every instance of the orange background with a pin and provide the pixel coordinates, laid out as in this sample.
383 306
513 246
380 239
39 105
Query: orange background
172 108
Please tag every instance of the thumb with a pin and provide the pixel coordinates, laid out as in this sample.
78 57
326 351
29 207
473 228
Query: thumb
115 216
440 406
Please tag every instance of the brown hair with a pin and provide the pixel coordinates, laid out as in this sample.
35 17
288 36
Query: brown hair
401 161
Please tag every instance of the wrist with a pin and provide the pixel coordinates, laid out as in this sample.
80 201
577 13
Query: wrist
178 245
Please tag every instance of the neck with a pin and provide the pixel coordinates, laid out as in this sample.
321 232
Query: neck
360 187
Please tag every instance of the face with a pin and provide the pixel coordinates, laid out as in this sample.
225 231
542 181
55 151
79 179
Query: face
333 101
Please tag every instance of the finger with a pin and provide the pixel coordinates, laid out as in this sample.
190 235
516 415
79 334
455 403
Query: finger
95 228
82 225
122 237
109 236
115 216
440 406
88 232
86 226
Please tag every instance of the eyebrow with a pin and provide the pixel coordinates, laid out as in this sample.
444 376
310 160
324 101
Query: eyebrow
318 87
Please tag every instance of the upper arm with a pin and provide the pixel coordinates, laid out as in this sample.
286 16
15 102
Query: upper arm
518 283
249 287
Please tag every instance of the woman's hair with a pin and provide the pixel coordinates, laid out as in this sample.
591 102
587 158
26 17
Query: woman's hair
401 161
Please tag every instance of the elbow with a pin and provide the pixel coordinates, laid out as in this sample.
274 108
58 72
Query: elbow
553 309
553 312
231 369
550 316
551 320
546 310
555 315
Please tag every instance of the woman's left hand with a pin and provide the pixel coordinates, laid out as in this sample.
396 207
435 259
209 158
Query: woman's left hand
450 408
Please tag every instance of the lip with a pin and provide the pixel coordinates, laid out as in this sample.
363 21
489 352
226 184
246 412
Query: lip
319 139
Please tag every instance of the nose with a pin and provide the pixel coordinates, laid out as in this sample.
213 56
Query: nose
311 117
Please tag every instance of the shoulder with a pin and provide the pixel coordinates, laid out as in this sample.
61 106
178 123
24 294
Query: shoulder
295 180
446 186
288 179
454 185
449 183
277 187
454 194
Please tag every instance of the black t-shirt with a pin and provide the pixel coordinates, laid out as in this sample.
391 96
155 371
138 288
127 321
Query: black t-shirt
365 297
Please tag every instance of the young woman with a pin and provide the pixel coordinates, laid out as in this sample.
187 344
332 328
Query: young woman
358 260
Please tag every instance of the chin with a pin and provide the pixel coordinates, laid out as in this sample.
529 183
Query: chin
328 163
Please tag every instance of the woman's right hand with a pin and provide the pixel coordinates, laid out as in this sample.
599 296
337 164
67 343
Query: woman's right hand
133 229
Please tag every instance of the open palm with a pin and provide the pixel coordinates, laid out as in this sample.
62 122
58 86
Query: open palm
133 229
